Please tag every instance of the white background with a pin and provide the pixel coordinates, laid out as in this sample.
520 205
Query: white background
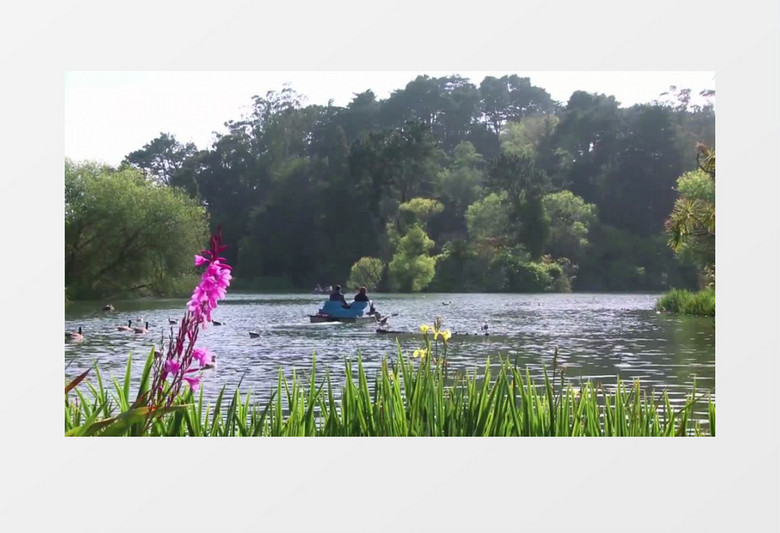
727 483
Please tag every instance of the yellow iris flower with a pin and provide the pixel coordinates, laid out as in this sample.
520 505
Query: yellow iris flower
424 328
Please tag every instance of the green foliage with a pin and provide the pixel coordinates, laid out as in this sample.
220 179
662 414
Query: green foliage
411 268
302 190
459 268
622 261
642 172
404 398
525 185
516 273
124 233
419 210
701 303
162 158
525 137
488 221
511 98
691 224
366 271
697 185
570 221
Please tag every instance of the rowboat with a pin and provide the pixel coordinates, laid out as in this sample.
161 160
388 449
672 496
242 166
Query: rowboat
334 311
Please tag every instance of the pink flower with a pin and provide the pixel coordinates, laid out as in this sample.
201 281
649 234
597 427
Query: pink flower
212 288
202 356
172 367
205 296
193 382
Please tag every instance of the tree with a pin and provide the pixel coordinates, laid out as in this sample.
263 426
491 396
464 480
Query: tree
124 234
461 186
419 210
570 221
637 189
411 268
525 137
161 158
367 271
412 159
525 185
691 225
488 221
587 134
511 98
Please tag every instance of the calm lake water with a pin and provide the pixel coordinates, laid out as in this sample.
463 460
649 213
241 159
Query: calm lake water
599 337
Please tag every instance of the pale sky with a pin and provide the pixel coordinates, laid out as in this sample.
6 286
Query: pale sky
110 114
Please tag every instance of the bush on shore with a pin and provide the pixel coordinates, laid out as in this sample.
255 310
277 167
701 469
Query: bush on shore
683 302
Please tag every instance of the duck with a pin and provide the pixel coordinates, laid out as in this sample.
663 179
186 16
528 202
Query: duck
484 328
128 327
74 336
172 321
212 364
144 329
254 334
216 323
108 307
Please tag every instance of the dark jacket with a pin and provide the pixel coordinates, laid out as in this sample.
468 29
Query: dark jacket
361 297
336 295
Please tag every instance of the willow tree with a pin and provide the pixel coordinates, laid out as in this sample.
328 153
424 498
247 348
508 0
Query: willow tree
124 233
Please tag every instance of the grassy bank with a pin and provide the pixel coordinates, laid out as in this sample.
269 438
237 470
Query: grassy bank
684 302
404 398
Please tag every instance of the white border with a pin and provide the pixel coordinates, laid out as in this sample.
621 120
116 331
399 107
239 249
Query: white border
728 483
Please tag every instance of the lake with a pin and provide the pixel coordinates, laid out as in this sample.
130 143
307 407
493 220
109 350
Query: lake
599 337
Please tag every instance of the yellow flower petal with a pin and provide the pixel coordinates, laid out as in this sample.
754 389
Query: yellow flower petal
424 328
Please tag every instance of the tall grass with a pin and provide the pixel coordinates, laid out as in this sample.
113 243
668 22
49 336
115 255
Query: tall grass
684 302
404 398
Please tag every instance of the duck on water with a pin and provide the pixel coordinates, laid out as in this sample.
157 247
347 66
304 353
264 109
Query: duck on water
74 336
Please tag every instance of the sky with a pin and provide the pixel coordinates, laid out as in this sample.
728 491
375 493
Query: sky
109 114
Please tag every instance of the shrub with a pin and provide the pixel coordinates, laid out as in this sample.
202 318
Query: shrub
684 302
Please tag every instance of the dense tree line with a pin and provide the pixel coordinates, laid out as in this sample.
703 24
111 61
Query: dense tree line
446 185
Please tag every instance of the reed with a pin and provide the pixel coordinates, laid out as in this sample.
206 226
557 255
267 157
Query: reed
405 397
684 302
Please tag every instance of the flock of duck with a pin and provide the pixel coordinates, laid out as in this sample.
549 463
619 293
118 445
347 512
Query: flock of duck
78 336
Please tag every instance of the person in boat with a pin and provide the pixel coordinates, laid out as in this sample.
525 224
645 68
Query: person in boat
362 296
338 296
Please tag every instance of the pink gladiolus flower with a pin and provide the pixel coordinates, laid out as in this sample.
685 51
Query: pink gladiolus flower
178 366
193 382
202 356
172 367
